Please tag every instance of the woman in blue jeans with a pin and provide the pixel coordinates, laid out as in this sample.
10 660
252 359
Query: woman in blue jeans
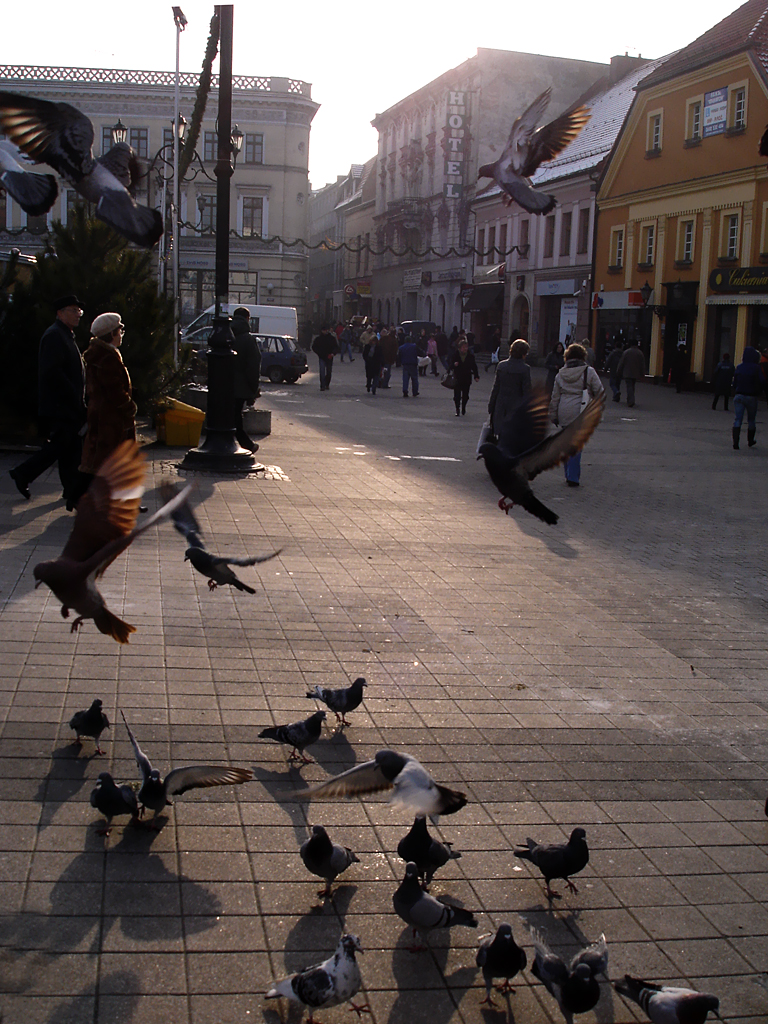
748 382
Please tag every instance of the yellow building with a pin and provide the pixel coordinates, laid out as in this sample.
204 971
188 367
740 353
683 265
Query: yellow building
681 253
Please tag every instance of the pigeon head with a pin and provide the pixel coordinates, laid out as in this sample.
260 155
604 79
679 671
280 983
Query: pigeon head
583 973
40 572
578 835
486 171
318 830
351 944
360 682
96 704
391 763
104 777
154 775
505 931
411 871
490 453
320 715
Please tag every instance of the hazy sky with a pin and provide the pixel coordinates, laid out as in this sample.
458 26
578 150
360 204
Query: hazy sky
359 58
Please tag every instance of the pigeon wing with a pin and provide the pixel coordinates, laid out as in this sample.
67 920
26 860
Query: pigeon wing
202 776
183 518
145 766
251 561
554 137
56 134
567 442
140 224
314 986
528 424
357 781
523 130
595 956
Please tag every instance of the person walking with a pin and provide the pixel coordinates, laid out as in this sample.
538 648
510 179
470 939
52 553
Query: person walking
612 368
408 358
441 338
554 363
247 372
60 404
325 348
722 380
432 353
372 360
388 354
346 338
748 383
631 368
511 383
565 405
464 368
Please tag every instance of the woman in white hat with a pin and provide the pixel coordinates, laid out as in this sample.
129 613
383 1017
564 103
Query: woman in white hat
111 409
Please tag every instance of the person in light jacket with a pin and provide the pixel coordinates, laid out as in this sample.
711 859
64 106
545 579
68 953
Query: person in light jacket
565 404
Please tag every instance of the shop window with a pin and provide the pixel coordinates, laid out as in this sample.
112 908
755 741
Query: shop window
583 240
617 249
565 233
654 133
549 237
764 234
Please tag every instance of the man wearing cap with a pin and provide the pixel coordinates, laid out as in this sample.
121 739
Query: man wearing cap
60 403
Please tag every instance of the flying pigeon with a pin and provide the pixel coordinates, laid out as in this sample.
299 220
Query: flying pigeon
299 735
499 956
324 858
215 567
113 801
427 854
155 791
512 463
574 986
422 911
667 1005
528 147
35 193
104 527
334 981
343 700
410 782
91 723
558 860
61 136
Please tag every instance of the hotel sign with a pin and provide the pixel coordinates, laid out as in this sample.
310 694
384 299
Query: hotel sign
739 279
456 144
715 112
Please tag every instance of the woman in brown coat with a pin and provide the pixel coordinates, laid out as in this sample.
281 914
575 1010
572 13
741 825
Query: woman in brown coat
111 409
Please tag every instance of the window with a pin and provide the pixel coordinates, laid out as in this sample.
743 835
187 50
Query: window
583 240
74 201
503 241
695 121
685 247
253 211
565 234
693 110
254 148
206 204
37 225
549 236
210 146
740 108
732 236
491 257
3 211
617 247
646 245
106 140
366 252
654 137
168 138
358 254
480 245
139 141
524 242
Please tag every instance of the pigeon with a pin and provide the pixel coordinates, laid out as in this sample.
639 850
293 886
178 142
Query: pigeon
155 791
527 148
559 860
113 800
512 463
762 147
299 735
104 527
91 723
61 136
574 987
35 193
215 567
343 700
422 911
499 956
427 854
334 981
667 1005
324 858
410 782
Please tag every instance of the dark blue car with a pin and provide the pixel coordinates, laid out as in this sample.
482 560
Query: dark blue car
281 358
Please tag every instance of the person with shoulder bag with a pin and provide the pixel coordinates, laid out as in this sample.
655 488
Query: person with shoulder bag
574 386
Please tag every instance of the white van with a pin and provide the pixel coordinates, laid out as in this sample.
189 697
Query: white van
264 319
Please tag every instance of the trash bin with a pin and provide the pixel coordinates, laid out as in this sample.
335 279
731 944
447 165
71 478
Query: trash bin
179 424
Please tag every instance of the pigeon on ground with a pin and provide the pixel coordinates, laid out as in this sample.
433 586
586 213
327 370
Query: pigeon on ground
155 791
410 782
324 858
61 136
91 723
499 956
214 567
35 193
298 735
575 986
422 911
521 455
528 147
104 527
427 854
558 860
334 981
668 1005
340 701
113 801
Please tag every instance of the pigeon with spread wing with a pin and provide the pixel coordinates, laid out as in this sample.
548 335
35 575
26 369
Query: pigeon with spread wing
35 193
528 147
573 985
59 135
105 525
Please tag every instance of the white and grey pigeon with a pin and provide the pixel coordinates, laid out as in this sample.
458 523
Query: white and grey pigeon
422 911
35 193
334 981
61 136
155 790
325 859
215 567
666 1004
340 701
409 782
92 722
527 147
298 735
574 986
499 956
113 801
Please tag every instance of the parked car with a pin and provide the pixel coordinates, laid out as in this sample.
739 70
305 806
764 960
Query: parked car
281 358
197 339
414 327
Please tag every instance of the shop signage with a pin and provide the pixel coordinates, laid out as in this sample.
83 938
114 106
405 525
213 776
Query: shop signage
451 274
715 112
411 279
624 299
556 287
364 287
569 317
739 279
455 144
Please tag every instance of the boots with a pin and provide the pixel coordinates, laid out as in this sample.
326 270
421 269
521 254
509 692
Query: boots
751 437
736 431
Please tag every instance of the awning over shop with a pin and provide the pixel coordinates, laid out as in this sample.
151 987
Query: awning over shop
736 300
489 275
482 296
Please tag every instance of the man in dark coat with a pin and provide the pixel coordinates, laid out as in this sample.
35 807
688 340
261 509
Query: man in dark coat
60 403
247 372
631 368
408 358
325 346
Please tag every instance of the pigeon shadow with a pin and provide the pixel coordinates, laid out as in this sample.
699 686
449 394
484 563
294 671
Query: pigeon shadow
64 780
412 969
340 899
282 788
336 754
313 938
119 990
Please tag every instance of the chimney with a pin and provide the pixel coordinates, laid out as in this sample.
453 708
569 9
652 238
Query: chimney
622 64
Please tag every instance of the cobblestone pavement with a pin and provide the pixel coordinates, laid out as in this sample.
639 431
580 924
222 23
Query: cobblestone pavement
607 672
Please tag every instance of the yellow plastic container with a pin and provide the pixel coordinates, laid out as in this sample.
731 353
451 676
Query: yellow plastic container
179 424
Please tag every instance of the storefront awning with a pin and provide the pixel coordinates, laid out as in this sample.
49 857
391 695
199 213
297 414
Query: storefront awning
736 300
489 275
482 296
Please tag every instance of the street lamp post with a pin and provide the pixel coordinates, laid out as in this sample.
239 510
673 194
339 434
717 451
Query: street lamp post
181 23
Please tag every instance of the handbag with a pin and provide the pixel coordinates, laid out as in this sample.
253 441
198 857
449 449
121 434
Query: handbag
585 396
447 380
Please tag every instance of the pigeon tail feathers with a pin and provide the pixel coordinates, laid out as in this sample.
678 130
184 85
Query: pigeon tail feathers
527 197
452 799
108 623
537 508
